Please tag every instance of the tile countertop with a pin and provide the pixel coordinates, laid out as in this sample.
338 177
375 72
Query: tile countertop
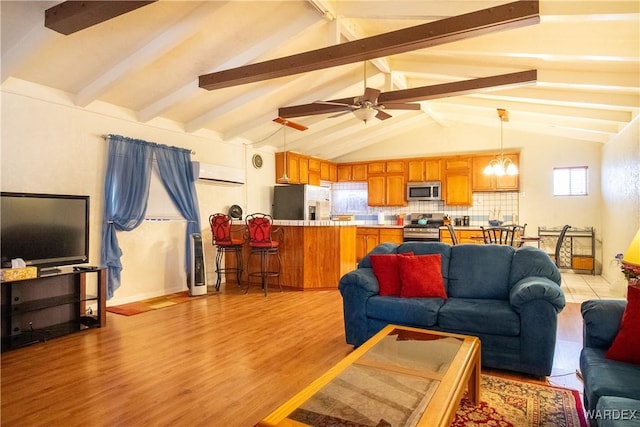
460 227
329 223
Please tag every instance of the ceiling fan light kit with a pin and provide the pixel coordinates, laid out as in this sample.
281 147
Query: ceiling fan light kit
365 113
501 165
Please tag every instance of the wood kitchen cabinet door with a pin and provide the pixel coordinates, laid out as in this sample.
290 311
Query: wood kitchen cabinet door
376 190
391 235
395 192
344 173
366 240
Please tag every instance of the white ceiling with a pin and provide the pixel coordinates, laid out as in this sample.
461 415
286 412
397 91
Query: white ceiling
587 54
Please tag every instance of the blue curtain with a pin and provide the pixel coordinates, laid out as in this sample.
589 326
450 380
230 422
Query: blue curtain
127 192
125 199
176 174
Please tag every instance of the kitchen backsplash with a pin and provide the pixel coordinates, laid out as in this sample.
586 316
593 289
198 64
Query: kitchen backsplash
351 198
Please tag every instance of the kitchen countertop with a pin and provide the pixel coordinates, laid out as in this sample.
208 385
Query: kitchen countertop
460 227
329 223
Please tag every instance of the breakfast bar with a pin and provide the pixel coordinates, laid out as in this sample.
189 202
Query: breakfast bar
314 254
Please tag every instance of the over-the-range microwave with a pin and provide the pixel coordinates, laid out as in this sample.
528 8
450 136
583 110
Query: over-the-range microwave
419 191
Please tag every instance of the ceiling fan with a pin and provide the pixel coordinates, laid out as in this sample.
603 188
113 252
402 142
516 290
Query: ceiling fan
365 107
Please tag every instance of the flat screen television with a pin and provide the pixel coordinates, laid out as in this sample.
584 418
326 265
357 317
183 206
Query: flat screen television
45 230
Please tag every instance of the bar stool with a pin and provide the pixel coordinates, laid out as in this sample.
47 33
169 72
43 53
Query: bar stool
225 243
259 228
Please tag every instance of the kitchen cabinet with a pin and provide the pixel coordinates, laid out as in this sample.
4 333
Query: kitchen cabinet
359 172
303 169
464 236
314 171
386 190
482 182
367 238
457 181
344 172
420 170
289 162
391 235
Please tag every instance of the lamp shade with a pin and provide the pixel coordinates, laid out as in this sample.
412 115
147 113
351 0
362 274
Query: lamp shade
632 254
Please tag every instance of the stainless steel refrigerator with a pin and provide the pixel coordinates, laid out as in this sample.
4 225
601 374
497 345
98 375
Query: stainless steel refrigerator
301 202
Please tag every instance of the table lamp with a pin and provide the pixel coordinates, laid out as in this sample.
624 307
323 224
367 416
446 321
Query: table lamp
631 260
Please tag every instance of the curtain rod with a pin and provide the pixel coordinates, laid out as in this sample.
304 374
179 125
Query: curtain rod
106 137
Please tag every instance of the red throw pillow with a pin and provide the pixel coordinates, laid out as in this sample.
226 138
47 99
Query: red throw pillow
386 270
626 345
421 276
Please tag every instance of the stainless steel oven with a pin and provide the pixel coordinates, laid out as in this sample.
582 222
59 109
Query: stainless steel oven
423 227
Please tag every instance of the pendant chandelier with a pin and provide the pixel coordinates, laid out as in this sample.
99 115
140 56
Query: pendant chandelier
501 165
284 177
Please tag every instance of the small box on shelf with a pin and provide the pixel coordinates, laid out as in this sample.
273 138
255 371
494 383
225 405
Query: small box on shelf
22 273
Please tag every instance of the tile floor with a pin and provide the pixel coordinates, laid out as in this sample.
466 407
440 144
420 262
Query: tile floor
581 287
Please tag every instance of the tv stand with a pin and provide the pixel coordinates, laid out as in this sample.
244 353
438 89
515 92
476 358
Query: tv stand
52 305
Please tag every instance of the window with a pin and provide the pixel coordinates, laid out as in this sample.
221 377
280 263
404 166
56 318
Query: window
570 181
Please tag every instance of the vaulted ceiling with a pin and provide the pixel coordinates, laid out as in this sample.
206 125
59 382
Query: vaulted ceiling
148 61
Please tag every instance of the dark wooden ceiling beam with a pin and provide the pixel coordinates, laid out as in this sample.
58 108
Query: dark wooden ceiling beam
72 16
503 17
462 87
423 93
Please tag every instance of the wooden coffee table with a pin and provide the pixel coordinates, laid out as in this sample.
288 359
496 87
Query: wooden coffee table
402 376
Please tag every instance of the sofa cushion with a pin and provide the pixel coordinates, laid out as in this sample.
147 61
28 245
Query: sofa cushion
387 271
384 248
480 271
605 377
421 312
488 316
429 248
626 345
530 261
421 276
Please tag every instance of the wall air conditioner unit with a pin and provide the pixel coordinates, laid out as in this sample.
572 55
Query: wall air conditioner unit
209 172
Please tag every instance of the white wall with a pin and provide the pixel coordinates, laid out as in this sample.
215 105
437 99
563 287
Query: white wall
51 146
621 196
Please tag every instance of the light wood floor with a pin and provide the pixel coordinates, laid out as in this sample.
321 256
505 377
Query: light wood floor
227 359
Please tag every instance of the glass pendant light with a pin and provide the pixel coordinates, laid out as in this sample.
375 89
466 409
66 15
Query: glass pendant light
501 165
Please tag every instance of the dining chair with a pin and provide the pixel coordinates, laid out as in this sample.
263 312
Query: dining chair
518 231
561 236
498 235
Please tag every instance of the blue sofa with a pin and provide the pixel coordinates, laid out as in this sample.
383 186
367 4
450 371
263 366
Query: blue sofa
611 388
509 298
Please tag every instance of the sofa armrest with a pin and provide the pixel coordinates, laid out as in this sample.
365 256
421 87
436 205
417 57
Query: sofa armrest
356 288
536 288
601 321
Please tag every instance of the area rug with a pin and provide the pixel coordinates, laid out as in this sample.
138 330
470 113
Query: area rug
503 403
138 307
507 403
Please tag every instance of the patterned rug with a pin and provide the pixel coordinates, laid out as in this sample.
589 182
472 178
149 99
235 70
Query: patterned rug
138 307
503 403
506 403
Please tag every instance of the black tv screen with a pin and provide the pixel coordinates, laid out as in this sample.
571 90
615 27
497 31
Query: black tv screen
44 229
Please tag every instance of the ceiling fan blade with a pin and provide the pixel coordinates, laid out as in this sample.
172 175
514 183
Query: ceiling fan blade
370 95
289 123
311 109
334 103
383 115
400 106
340 114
